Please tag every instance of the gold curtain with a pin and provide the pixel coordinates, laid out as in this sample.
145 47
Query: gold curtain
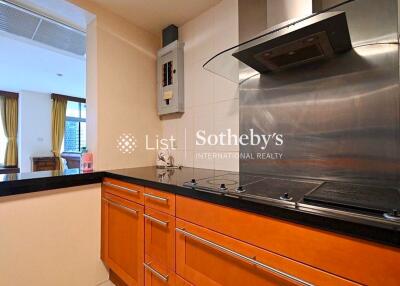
10 124
3 117
58 127
2 111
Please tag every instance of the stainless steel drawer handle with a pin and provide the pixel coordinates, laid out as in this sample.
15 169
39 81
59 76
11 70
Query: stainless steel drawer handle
162 277
120 187
242 257
156 197
153 219
121 206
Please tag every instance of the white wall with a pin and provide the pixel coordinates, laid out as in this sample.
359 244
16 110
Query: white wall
52 238
34 127
92 92
121 88
211 102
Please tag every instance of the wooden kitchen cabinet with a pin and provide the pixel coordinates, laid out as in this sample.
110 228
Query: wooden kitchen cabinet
123 238
160 237
204 257
159 200
131 192
157 275
144 243
181 282
356 260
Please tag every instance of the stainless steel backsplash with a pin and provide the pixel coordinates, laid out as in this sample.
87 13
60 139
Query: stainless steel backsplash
339 118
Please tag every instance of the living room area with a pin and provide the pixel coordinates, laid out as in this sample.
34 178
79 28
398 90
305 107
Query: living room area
42 87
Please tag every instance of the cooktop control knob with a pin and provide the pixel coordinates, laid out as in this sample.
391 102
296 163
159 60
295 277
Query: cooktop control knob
223 187
393 215
193 181
286 197
240 189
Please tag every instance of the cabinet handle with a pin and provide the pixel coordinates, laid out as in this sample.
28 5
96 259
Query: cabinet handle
162 277
153 219
120 187
121 207
242 257
156 197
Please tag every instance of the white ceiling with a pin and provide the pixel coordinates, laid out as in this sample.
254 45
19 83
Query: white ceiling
60 10
28 66
25 65
154 15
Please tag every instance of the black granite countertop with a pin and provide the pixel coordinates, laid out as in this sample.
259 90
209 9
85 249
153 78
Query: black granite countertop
21 183
172 181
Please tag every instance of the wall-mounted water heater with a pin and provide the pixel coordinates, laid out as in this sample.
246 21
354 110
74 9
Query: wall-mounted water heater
170 93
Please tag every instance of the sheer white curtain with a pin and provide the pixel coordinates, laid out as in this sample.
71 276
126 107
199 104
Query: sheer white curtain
3 138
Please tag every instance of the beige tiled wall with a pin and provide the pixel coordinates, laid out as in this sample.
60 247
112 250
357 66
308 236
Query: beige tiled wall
211 102
121 88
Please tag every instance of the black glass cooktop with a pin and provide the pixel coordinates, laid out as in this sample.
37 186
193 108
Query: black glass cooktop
229 182
281 189
310 193
370 198
253 186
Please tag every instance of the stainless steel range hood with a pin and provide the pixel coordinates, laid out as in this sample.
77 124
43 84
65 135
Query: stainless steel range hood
318 37
340 118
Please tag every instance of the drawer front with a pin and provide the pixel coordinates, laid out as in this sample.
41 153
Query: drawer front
203 258
357 260
122 238
160 237
159 200
179 281
157 275
125 190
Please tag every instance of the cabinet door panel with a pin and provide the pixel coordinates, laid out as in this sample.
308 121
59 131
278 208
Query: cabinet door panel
181 282
201 261
354 259
173 279
157 275
123 241
160 237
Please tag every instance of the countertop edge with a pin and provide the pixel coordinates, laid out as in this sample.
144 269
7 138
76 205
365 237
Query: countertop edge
381 235
47 183
390 237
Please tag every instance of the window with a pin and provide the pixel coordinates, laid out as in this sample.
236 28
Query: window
75 127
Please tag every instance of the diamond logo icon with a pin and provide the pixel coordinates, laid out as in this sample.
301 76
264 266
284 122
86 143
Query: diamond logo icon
126 143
